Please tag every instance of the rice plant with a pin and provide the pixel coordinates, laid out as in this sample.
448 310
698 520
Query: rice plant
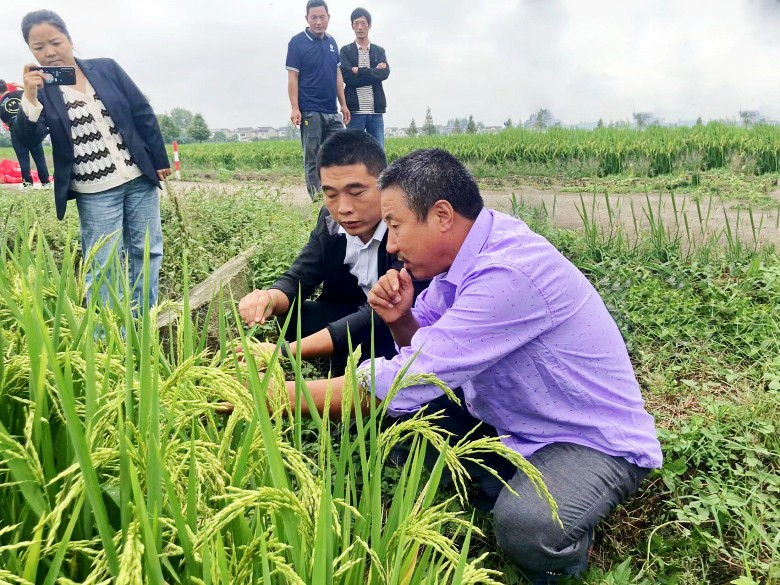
120 463
651 152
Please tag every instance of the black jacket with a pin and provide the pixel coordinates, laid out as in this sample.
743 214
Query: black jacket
321 262
9 106
348 56
128 108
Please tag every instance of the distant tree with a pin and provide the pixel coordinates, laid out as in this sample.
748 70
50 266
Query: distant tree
699 121
542 119
480 126
471 126
749 117
182 117
198 130
508 123
5 139
219 136
170 130
620 125
600 124
456 127
412 131
428 128
644 119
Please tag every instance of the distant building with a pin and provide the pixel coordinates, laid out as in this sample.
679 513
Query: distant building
245 134
228 132
265 133
394 132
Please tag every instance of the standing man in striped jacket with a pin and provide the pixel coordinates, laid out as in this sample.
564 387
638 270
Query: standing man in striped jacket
364 67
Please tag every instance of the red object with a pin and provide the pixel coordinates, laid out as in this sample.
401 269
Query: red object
10 172
176 162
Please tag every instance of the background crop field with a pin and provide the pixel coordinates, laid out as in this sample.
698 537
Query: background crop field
727 161
702 324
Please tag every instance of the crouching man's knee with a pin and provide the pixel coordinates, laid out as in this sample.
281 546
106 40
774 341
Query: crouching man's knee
533 540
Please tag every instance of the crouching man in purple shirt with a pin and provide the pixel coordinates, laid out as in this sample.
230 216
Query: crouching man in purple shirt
531 347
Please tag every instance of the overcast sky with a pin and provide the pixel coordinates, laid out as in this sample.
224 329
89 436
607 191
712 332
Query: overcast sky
581 59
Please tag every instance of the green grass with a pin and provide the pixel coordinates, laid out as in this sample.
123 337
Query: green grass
702 324
652 152
117 464
724 161
701 321
718 160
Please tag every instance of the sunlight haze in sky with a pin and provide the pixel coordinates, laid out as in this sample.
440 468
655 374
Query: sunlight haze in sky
678 59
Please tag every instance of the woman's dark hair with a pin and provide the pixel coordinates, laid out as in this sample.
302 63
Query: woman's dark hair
32 19
429 175
352 147
3 86
357 13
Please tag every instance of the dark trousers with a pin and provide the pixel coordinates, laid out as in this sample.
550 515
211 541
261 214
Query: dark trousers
316 127
23 156
585 483
316 315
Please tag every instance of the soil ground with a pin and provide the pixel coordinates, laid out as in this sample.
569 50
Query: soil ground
565 209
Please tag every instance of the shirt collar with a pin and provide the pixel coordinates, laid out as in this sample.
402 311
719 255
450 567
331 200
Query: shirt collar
313 37
379 234
368 48
472 245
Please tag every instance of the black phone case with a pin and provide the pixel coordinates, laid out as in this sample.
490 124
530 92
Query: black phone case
59 75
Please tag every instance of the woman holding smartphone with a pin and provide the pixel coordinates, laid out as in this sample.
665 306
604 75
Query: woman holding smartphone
108 151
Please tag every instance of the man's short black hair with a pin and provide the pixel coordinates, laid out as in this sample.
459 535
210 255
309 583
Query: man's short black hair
316 4
357 13
352 147
3 86
432 174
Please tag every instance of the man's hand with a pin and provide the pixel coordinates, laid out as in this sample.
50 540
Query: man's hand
163 173
256 307
355 70
381 65
392 296
295 117
346 115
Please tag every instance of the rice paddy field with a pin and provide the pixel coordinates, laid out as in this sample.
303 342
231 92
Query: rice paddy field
120 464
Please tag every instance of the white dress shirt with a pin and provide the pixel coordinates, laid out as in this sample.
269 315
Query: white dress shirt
362 258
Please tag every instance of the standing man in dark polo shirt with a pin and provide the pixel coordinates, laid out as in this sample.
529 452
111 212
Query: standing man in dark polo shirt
313 83
364 68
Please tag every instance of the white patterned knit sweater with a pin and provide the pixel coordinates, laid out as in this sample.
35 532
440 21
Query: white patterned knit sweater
102 161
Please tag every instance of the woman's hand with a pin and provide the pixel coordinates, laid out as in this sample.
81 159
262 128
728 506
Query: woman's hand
33 81
162 173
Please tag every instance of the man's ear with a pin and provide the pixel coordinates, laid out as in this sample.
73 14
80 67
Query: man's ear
444 214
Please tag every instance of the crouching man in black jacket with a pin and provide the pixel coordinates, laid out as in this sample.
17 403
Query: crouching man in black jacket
346 254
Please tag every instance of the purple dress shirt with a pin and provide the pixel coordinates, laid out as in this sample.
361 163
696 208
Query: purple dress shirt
528 338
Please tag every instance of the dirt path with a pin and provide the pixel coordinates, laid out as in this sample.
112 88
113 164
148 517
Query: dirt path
565 209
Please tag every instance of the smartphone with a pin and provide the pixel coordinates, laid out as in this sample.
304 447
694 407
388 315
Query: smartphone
58 75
